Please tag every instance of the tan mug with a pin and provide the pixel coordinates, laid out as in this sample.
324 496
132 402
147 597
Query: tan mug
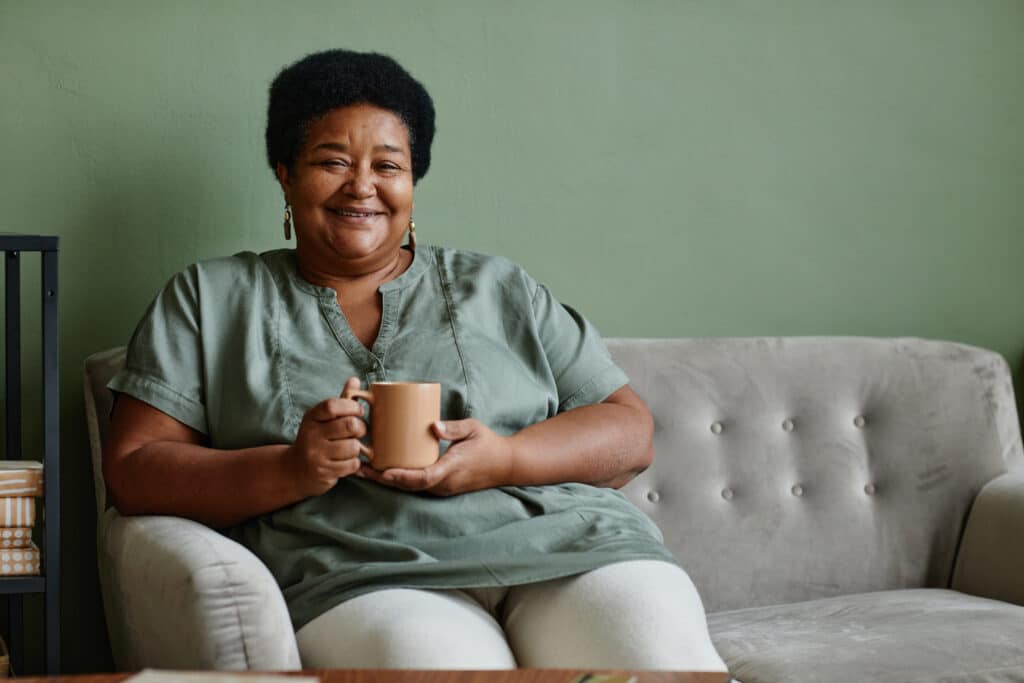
400 432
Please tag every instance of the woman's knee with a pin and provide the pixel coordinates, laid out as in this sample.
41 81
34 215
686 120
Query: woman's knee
644 614
405 629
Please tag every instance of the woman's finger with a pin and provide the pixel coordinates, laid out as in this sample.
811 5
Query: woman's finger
347 467
410 480
425 479
351 384
349 427
333 408
343 449
455 430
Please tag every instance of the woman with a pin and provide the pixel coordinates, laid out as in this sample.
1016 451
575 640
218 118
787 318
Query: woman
514 549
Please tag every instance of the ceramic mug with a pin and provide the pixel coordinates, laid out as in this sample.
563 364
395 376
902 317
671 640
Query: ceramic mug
400 432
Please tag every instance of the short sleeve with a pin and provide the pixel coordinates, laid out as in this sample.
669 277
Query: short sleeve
583 369
164 360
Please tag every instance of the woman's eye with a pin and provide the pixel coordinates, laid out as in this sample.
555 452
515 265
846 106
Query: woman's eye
339 163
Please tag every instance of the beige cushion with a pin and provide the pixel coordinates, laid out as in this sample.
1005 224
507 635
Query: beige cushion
908 636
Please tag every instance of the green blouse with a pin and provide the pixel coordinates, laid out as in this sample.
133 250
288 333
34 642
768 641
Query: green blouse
239 348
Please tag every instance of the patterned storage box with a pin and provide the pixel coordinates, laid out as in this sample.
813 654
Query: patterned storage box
19 561
15 537
21 478
17 512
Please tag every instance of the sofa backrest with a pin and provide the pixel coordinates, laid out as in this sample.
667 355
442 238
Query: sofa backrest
888 441
99 369
790 469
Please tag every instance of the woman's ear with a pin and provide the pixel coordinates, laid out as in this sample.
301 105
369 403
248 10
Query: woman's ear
282 177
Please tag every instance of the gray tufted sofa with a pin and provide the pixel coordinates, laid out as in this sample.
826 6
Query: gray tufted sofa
851 509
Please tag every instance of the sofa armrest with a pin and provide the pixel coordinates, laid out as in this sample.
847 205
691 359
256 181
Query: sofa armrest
180 595
990 562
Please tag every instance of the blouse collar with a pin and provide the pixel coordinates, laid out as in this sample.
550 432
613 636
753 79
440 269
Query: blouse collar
421 258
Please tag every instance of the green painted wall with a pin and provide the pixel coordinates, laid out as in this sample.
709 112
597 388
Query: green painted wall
673 168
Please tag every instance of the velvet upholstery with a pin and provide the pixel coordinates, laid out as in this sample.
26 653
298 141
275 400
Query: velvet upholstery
817 485
896 636
991 558
177 594
801 468
189 597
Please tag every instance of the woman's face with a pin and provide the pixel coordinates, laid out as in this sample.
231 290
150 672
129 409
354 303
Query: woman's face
351 189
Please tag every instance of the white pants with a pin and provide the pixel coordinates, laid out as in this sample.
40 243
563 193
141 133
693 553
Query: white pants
630 615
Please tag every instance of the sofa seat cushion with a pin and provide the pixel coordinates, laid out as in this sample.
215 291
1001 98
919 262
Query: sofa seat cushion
892 636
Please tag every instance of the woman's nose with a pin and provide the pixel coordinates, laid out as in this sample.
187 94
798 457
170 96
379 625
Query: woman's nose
360 183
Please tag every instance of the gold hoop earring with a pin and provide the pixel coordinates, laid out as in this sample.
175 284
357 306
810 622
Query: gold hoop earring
287 222
412 234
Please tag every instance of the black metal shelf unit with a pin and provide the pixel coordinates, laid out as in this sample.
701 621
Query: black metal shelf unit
13 246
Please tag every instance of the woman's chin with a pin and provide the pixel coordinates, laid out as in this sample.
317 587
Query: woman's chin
357 246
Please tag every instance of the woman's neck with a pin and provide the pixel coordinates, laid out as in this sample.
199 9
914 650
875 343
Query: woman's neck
353 276
356 292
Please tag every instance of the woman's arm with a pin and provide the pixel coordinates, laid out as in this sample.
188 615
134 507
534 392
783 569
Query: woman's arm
154 464
605 444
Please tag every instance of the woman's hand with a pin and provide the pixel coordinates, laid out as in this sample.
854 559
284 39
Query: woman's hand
327 446
604 444
476 459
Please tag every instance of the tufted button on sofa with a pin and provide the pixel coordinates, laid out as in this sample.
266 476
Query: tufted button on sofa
850 509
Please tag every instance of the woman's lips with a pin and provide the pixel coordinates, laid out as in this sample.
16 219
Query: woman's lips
355 215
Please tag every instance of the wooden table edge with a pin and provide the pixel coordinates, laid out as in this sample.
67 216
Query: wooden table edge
426 676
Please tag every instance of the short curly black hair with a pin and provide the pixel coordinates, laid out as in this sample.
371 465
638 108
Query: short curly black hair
323 81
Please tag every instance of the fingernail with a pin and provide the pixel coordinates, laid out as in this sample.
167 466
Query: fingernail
439 426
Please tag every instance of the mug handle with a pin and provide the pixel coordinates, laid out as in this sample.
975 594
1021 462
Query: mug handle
356 394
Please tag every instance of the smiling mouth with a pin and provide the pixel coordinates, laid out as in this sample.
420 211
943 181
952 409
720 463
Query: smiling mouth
347 213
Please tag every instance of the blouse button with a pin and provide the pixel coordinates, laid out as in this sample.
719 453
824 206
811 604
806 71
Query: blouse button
653 496
727 494
797 490
716 427
869 489
787 425
859 421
